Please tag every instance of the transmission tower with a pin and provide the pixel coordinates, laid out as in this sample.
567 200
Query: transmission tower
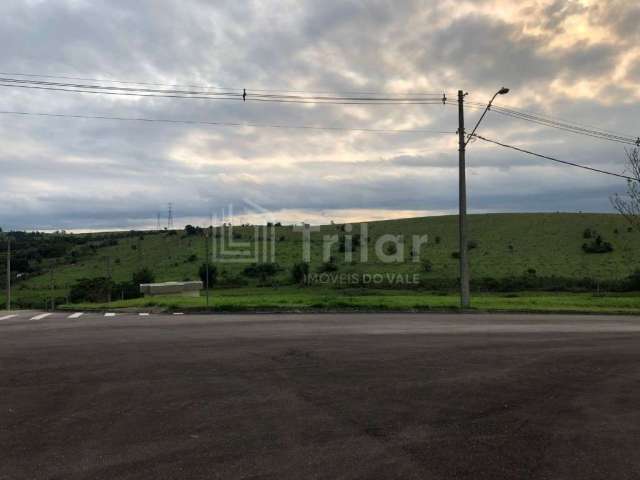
158 226
170 217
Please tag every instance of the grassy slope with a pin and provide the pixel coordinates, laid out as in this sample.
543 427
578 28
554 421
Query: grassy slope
549 242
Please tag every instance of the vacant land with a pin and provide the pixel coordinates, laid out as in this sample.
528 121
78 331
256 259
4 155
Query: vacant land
504 245
315 298
320 396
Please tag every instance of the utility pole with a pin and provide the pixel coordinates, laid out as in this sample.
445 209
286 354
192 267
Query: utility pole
465 293
8 273
206 263
53 302
108 261
465 290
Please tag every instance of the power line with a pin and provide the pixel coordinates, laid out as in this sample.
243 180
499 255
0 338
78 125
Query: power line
208 87
572 127
553 159
225 124
234 93
562 121
239 93
231 93
114 88
252 98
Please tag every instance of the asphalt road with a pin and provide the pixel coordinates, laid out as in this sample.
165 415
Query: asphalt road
319 396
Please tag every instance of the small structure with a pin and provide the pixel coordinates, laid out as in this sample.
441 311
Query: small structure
189 289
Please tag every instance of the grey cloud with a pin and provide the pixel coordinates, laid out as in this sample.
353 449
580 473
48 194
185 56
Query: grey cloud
67 173
492 52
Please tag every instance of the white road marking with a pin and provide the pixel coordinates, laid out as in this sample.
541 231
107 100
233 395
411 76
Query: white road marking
109 314
41 316
143 314
178 313
7 317
76 315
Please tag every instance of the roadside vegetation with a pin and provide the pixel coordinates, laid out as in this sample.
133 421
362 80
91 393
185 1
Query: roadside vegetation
589 254
293 298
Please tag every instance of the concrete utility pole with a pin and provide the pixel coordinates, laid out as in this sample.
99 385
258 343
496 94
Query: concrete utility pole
108 261
206 263
465 294
53 302
465 290
8 273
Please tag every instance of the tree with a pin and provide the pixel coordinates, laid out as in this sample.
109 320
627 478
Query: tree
91 290
191 230
629 204
213 274
299 272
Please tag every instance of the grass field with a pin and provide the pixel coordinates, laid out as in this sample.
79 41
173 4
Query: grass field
316 298
505 245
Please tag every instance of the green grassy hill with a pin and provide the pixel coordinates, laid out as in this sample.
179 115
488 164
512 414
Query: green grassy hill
505 245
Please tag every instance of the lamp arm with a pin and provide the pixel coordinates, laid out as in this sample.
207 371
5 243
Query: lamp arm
480 120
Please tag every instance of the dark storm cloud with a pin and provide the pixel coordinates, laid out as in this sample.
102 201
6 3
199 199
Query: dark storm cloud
73 173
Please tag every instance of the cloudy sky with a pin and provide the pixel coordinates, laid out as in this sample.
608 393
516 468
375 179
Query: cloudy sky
575 60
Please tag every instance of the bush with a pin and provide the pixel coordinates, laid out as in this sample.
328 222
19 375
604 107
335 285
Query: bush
330 266
212 277
634 281
391 249
299 272
231 280
126 290
192 258
427 266
91 290
356 240
588 233
143 276
597 246
261 270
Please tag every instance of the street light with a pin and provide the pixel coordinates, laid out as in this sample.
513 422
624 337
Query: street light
465 282
502 91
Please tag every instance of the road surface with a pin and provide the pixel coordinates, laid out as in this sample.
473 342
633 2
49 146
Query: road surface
327 396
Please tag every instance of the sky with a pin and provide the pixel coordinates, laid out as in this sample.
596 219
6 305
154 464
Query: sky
573 60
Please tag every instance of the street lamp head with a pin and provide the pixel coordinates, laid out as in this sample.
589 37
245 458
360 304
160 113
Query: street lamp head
503 91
